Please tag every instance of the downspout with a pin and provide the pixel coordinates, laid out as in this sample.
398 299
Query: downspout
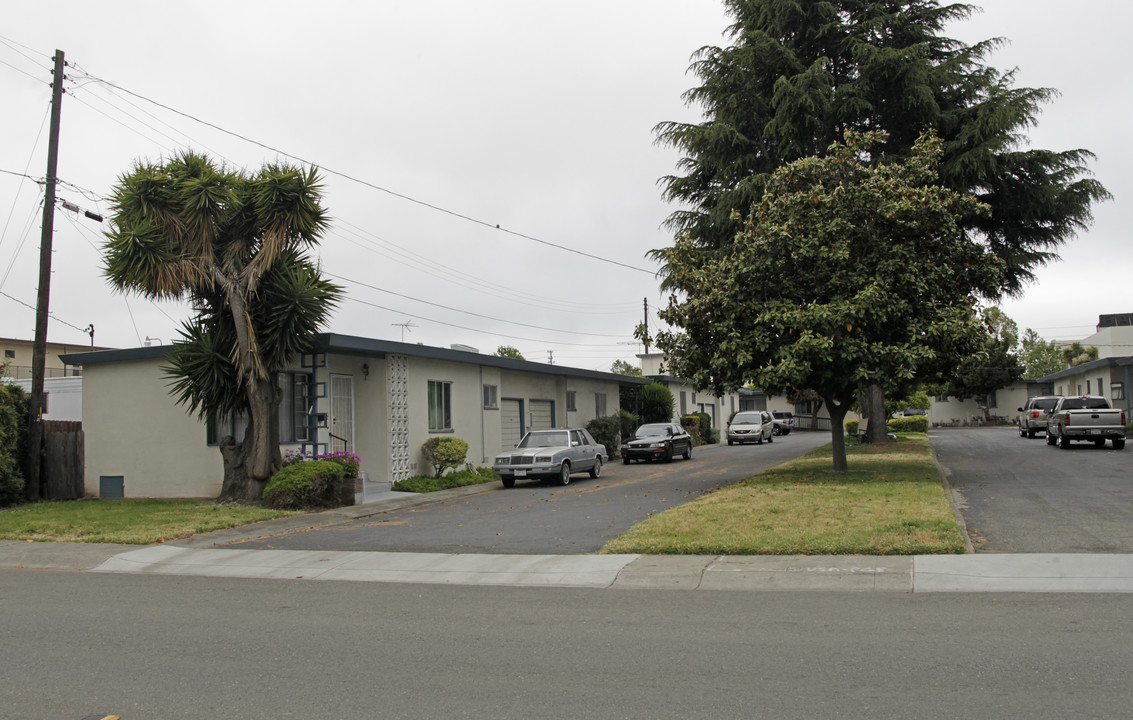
483 445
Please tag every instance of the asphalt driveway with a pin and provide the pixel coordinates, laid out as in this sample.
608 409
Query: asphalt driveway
540 518
1022 495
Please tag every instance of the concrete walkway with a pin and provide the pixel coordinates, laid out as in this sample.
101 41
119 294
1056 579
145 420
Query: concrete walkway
206 555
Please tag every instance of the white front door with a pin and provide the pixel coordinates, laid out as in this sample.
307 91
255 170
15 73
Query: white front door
342 413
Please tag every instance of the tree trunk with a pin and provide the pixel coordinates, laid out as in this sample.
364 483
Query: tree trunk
838 434
878 431
236 480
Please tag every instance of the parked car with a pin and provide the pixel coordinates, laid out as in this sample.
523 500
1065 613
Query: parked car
1033 415
784 422
751 426
658 441
551 454
1089 417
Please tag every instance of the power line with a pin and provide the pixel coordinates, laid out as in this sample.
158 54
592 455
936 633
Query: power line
467 312
368 184
32 307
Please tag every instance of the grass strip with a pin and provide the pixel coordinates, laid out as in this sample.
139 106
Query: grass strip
127 522
890 502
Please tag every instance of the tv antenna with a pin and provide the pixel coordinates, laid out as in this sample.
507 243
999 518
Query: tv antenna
407 325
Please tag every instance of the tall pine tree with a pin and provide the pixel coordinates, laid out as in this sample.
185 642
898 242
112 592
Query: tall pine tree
798 74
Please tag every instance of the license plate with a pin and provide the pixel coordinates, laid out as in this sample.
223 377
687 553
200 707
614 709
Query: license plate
521 473
1095 432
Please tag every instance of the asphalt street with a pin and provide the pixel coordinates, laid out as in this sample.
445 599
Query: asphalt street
535 517
1020 495
197 647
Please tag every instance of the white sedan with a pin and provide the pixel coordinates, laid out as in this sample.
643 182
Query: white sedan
553 454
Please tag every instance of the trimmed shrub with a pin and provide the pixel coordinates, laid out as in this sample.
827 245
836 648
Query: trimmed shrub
348 460
607 432
459 478
309 484
916 423
444 453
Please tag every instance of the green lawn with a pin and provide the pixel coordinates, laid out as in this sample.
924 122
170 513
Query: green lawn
891 502
130 522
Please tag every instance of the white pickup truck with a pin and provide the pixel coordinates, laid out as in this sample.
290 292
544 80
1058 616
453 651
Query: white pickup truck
1087 417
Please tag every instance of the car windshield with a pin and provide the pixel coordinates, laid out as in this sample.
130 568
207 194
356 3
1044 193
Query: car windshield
544 439
652 431
747 418
782 415
1046 403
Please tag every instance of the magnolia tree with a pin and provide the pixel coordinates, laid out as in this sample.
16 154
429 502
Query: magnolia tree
848 274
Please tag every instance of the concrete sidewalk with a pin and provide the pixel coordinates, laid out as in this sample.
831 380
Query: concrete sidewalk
207 555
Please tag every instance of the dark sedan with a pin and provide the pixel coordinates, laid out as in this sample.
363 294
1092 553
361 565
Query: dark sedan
658 441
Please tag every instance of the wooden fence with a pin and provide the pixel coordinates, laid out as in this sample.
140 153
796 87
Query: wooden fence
63 460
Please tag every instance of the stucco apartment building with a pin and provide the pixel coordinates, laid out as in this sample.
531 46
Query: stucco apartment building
17 355
1111 374
378 399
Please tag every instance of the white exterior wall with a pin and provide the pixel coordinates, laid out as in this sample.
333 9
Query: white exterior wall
134 429
64 397
1112 341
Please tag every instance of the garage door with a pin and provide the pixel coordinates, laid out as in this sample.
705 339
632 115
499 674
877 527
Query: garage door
542 414
511 423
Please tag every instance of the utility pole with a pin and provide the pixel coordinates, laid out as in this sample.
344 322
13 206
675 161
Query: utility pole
645 324
34 488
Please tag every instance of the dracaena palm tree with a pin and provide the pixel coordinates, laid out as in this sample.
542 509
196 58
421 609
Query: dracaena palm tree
233 245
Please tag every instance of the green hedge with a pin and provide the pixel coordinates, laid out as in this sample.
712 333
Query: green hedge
459 478
917 423
309 484
13 429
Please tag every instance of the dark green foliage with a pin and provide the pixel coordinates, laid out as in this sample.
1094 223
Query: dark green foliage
656 403
875 283
607 431
621 367
234 245
13 432
444 453
799 74
507 351
916 423
309 484
627 423
460 478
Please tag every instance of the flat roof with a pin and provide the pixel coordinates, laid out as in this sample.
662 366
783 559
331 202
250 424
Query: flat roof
335 344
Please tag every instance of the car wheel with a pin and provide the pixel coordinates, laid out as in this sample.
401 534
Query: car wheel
1100 442
730 441
759 439
1049 438
1022 432
1119 443
688 452
509 482
1063 441
669 454
776 431
597 469
625 461
564 473
771 437
1030 433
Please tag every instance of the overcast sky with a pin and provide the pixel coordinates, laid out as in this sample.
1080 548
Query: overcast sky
436 122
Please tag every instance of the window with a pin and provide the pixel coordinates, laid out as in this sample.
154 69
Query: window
43 406
294 407
599 404
941 398
1117 390
440 406
1101 388
572 399
1088 391
491 397
684 404
9 354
